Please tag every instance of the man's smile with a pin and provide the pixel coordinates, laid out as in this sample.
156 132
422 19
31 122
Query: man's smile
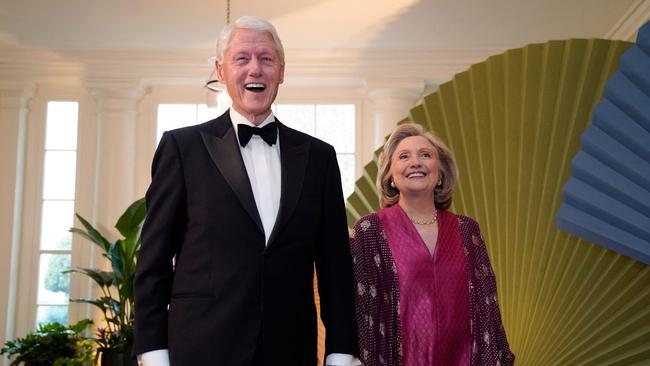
255 87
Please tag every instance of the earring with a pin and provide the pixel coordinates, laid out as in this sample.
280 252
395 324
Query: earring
392 183
439 183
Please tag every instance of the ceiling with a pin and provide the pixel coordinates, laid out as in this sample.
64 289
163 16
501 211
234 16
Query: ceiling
355 43
308 24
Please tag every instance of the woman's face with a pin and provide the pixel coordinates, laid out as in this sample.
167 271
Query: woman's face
415 166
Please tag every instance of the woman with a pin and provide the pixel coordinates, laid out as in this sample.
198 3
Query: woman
425 289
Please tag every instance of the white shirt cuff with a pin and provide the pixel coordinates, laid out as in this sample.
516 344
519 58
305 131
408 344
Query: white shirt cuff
341 359
159 357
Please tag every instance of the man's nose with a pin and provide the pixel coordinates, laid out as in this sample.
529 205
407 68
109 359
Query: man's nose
254 67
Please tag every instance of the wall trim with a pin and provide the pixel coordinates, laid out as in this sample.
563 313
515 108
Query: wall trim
626 28
192 66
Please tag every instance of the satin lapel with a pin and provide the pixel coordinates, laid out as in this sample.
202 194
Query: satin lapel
224 151
294 153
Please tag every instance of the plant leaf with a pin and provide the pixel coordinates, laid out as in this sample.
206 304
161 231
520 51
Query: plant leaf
81 325
115 257
102 278
128 248
91 233
111 304
126 290
129 223
96 302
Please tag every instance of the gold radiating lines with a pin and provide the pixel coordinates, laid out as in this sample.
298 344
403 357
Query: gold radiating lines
514 122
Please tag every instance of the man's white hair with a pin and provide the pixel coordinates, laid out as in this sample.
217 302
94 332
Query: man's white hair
248 22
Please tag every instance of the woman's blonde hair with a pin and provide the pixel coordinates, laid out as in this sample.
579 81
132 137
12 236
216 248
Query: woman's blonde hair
448 172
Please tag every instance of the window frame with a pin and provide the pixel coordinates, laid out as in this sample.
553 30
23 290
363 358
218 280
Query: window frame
310 101
82 254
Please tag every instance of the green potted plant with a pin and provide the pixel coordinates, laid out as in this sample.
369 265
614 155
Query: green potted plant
52 344
115 339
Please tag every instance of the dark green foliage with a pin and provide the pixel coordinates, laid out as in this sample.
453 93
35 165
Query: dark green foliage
116 302
52 344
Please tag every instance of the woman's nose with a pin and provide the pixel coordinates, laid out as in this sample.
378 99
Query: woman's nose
414 161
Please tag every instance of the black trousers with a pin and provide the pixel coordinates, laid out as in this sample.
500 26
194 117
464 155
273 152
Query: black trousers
258 355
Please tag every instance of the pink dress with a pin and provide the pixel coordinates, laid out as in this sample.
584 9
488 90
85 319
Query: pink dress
416 309
434 306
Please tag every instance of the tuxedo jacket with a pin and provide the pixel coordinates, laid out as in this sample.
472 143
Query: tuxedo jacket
227 288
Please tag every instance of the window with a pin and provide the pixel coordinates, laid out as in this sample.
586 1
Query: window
57 212
171 116
332 123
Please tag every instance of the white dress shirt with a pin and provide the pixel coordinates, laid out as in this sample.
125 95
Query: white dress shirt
264 169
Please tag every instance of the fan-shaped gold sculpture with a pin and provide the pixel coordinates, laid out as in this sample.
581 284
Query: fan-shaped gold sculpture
514 122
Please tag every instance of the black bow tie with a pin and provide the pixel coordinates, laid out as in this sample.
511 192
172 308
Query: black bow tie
268 133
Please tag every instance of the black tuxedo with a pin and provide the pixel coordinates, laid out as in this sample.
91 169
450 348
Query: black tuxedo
228 289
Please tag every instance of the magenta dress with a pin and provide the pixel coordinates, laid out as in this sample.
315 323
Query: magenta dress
418 309
434 304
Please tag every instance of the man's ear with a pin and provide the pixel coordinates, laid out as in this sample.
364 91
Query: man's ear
219 68
281 73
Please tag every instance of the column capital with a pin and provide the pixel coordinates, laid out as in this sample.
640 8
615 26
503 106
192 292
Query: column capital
116 95
115 88
408 89
392 99
15 94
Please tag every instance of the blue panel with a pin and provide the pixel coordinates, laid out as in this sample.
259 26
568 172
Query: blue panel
607 197
622 92
643 39
587 227
616 155
621 127
633 65
605 208
587 168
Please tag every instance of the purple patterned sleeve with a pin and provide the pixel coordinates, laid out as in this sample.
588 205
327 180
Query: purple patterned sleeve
376 294
357 250
490 344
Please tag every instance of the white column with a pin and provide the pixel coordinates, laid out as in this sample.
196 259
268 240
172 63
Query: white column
117 109
392 100
13 113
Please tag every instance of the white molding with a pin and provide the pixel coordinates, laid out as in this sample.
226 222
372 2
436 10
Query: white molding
15 94
14 99
84 254
402 89
626 28
191 66
28 262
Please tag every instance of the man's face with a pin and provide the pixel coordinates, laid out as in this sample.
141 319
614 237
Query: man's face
252 71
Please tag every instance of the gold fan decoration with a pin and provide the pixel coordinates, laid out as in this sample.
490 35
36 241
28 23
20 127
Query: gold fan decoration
514 123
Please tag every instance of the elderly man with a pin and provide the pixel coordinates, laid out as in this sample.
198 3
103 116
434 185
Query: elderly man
246 206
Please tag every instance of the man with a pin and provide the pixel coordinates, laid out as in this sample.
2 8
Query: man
246 214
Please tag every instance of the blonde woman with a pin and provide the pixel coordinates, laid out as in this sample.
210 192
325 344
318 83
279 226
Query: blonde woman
425 289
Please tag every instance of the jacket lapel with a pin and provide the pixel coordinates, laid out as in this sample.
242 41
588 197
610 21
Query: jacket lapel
220 140
294 154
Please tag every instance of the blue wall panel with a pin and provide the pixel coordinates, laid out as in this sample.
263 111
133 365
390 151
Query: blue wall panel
607 197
